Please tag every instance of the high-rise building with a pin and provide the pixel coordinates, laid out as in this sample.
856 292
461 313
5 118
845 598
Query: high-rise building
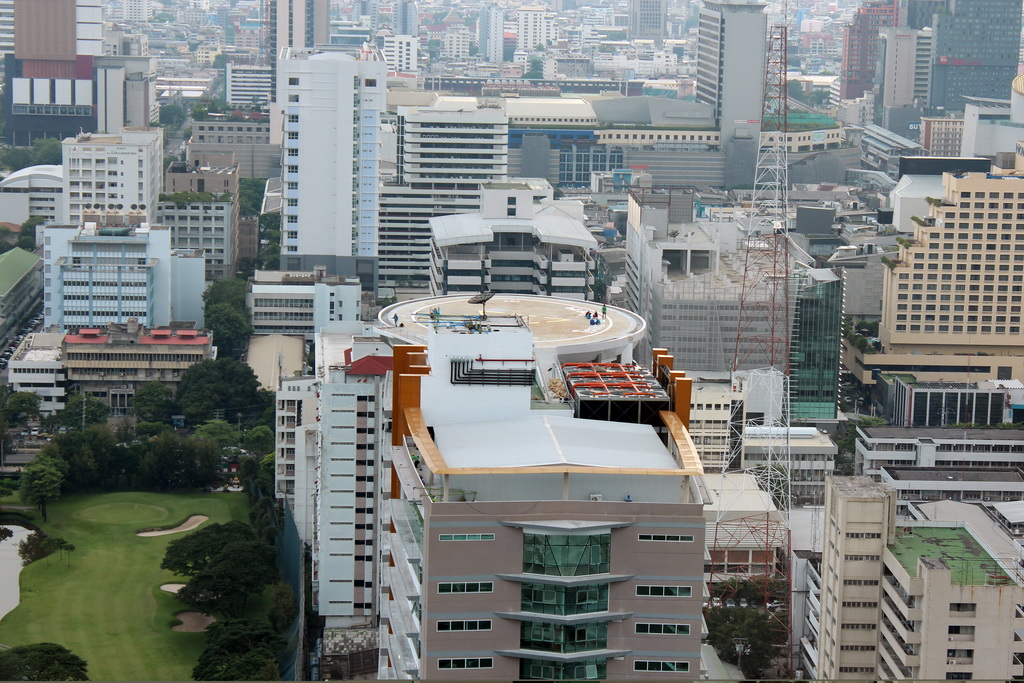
536 26
648 19
976 52
491 33
406 18
402 53
94 274
332 103
731 38
6 27
919 14
137 10
953 292
445 152
296 24
860 46
50 89
904 71
248 85
118 173
533 557
815 344
913 600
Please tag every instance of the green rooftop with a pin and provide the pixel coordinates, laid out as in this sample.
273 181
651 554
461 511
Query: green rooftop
969 563
13 266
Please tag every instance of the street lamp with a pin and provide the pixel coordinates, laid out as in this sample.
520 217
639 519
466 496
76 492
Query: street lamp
741 648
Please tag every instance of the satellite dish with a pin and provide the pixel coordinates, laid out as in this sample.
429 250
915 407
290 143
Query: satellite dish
482 298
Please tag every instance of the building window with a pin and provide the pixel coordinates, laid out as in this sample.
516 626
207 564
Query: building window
660 665
664 591
543 670
465 663
466 537
566 555
563 638
662 629
664 537
468 625
543 598
465 587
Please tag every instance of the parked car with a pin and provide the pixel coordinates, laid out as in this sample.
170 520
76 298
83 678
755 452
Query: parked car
743 602
729 602
716 602
773 605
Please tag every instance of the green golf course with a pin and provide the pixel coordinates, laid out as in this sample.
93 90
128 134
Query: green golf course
107 606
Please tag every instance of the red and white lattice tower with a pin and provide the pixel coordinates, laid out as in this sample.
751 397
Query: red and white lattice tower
750 544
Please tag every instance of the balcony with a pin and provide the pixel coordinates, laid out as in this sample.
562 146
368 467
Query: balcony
894 661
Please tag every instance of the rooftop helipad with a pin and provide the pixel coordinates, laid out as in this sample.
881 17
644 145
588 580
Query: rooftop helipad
555 322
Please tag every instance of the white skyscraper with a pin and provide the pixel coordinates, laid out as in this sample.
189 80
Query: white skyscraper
402 53
121 172
331 103
536 27
491 33
138 10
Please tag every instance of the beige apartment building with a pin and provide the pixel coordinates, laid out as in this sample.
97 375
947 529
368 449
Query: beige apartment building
953 295
921 600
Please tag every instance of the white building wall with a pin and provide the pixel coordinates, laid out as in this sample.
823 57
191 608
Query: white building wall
332 103
248 84
491 33
402 53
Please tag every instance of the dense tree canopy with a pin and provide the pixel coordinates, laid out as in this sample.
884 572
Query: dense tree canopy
21 406
42 662
250 192
172 463
225 385
80 410
239 649
41 480
189 555
153 402
241 569
762 636
42 151
230 327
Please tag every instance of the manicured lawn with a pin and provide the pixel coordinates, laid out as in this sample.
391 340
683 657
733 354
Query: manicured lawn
107 607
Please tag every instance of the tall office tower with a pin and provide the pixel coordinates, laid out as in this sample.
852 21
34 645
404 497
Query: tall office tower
904 67
518 546
297 24
120 172
815 345
445 152
402 53
648 19
536 26
918 14
730 53
138 10
94 274
859 516
6 27
976 51
331 102
491 33
49 89
860 46
406 18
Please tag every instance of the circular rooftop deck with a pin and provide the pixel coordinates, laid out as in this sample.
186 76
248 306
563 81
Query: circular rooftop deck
555 323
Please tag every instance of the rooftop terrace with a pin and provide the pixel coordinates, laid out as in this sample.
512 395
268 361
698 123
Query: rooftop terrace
969 563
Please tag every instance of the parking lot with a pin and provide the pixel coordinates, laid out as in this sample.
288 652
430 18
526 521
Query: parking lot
32 326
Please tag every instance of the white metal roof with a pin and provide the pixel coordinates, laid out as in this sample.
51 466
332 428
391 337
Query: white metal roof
548 225
44 175
1013 512
545 440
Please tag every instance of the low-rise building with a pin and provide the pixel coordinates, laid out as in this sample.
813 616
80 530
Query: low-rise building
113 362
32 191
911 447
514 245
21 291
812 457
249 140
284 302
915 485
248 85
906 402
37 367
203 219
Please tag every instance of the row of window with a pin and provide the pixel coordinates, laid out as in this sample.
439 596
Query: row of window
490 537
449 587
660 665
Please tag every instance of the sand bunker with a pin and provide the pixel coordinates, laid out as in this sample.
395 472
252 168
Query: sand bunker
190 524
192 622
172 587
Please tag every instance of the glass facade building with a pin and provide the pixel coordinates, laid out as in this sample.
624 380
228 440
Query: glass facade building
815 346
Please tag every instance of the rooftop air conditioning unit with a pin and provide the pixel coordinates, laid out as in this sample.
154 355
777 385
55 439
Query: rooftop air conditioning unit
951 661
596 497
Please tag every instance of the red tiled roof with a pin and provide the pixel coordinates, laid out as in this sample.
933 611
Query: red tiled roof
371 365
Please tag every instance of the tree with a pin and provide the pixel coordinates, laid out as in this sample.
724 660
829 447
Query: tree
229 291
153 402
250 196
189 555
220 432
232 640
172 462
42 662
27 235
225 384
21 406
259 440
761 633
81 410
239 570
230 327
283 606
41 480
47 151
536 69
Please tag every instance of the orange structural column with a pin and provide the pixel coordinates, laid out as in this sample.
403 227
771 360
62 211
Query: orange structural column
409 361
